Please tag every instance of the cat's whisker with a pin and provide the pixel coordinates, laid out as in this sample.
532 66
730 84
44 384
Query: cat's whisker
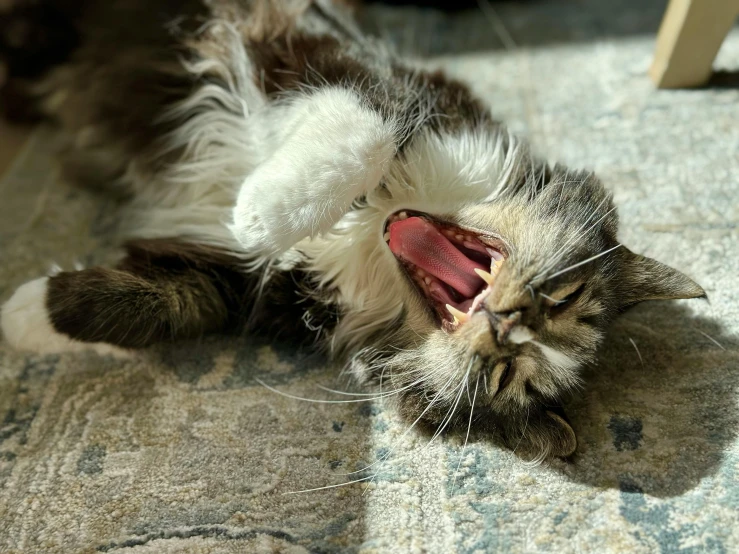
446 420
395 446
550 298
709 337
578 264
580 233
467 436
637 351
364 394
331 486
453 409
318 400
525 427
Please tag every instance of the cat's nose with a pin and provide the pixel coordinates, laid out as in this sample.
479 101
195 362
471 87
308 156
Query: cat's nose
503 323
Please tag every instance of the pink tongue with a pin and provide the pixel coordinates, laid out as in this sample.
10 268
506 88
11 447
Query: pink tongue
420 243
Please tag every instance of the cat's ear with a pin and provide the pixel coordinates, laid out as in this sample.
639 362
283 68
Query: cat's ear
641 278
561 435
548 435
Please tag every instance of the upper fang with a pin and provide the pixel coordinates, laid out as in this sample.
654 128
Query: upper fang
459 316
485 276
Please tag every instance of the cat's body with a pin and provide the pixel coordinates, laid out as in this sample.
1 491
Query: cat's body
283 170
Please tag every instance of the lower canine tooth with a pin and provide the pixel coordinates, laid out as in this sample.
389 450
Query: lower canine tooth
403 215
459 316
386 237
485 276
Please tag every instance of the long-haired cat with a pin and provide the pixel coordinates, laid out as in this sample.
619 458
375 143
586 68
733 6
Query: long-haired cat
285 171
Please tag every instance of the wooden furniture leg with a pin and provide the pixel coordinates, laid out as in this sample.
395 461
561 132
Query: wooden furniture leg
689 39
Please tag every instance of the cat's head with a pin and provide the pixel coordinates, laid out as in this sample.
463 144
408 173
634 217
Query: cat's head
506 273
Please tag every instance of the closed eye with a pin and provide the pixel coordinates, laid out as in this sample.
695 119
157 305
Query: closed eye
504 371
559 305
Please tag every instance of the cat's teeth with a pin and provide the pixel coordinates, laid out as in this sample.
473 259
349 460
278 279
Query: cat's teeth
427 280
386 236
459 237
485 276
495 267
494 254
403 215
459 316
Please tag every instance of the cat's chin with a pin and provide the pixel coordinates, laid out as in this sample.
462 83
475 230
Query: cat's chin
452 268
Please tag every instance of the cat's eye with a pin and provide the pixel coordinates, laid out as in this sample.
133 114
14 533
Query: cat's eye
564 297
503 372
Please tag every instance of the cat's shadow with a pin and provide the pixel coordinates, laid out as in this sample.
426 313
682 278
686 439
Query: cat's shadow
655 416
659 408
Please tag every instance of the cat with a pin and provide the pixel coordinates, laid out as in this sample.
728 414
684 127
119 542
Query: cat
284 171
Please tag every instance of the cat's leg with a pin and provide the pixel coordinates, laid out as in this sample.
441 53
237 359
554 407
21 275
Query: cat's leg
335 148
162 290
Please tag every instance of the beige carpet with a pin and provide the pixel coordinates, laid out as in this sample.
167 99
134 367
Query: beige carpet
179 450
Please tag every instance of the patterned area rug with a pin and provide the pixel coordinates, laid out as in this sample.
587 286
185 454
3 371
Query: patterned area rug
181 450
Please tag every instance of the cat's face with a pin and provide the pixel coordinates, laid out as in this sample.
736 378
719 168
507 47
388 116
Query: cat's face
504 298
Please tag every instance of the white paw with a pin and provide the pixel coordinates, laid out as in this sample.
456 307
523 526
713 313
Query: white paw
25 324
337 149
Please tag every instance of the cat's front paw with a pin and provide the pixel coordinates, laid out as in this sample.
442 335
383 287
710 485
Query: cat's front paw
26 324
265 220
337 150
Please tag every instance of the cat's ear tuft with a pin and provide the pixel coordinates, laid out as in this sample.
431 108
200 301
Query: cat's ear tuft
547 434
643 278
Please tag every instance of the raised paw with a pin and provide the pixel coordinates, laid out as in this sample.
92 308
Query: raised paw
336 150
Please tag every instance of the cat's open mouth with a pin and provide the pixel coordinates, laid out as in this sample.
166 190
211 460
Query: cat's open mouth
453 268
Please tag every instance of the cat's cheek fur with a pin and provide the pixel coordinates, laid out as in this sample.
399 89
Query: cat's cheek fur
335 150
26 325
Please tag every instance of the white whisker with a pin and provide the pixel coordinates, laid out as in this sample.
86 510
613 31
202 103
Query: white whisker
714 341
467 436
497 24
553 275
366 394
550 298
387 455
450 414
525 426
637 351
320 401
329 486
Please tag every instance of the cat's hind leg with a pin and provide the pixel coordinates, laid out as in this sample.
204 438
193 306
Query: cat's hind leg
162 290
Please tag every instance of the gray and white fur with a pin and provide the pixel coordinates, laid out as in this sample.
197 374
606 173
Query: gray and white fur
269 153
